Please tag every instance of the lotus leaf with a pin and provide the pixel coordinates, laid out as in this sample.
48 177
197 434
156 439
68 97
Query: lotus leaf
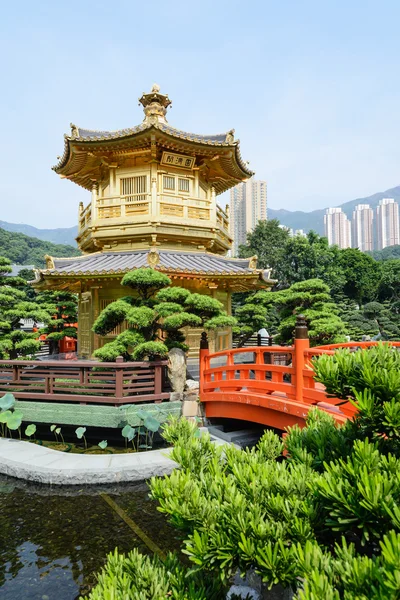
80 432
4 416
152 424
7 401
143 414
103 445
14 420
30 430
58 430
52 427
128 432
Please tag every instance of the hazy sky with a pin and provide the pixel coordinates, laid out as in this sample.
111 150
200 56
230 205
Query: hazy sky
311 87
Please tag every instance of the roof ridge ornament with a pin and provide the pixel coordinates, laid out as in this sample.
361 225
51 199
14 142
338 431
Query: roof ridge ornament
74 130
155 105
230 137
153 257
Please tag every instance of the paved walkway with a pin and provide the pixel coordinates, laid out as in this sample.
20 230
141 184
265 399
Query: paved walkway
44 465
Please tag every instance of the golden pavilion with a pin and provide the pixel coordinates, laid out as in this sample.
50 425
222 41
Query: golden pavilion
153 203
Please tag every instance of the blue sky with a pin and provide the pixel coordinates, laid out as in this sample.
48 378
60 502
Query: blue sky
311 87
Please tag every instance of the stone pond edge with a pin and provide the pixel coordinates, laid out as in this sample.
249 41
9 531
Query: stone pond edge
31 462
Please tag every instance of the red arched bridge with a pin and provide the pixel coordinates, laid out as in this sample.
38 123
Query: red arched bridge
271 385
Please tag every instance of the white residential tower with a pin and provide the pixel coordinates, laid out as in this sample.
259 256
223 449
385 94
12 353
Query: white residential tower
337 228
248 206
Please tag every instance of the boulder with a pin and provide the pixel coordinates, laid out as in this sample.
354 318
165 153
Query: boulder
177 369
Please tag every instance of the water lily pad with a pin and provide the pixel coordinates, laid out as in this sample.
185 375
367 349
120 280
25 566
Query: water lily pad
7 401
30 430
80 432
103 445
152 424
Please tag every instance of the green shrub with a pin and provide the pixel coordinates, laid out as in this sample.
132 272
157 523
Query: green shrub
137 576
109 352
146 280
110 317
151 350
370 379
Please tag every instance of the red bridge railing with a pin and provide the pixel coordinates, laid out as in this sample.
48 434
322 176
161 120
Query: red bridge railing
272 385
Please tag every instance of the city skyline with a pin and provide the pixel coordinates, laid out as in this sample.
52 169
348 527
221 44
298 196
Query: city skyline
367 230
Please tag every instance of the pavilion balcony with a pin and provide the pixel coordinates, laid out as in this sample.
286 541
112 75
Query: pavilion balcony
115 212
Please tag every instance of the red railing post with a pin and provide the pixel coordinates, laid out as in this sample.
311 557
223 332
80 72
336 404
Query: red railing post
204 352
301 343
119 378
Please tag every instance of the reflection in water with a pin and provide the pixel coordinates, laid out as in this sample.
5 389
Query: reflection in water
54 540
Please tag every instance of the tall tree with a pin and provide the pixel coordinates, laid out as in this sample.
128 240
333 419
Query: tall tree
267 241
362 275
389 287
310 257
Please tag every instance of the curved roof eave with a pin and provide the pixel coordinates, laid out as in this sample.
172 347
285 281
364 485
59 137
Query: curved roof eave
103 136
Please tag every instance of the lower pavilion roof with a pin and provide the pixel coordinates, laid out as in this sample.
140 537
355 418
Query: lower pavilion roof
171 261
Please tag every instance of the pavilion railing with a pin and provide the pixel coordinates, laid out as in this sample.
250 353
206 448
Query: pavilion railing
85 381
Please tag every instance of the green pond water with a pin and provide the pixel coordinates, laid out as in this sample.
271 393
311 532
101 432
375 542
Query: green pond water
53 540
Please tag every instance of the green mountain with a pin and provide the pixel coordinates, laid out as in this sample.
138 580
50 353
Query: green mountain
25 250
65 235
314 220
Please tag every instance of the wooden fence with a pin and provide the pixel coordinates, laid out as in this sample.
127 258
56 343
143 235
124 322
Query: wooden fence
84 381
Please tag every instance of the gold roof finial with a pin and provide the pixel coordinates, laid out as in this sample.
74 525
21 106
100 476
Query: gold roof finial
155 105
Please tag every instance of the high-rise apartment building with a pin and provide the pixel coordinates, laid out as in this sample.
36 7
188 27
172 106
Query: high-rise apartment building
362 231
337 228
387 223
248 205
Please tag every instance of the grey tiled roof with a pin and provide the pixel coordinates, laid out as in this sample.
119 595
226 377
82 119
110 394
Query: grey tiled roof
220 138
102 263
89 135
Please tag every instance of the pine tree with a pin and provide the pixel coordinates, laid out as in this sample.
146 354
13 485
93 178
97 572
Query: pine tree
155 313
15 304
63 306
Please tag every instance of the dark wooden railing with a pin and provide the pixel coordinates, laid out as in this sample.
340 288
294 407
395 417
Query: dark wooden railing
84 381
